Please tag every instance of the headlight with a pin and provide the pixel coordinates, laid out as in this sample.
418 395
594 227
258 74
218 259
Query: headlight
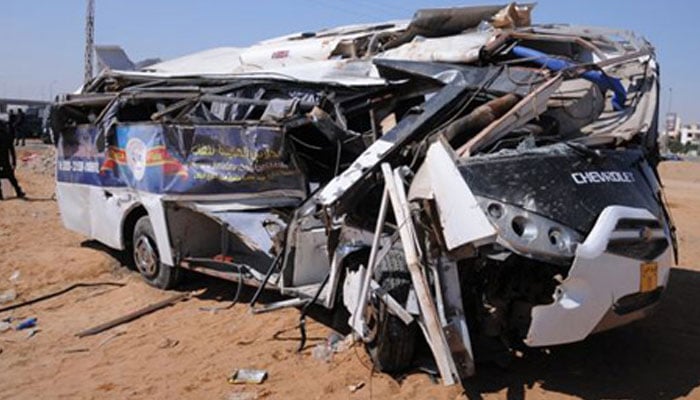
530 234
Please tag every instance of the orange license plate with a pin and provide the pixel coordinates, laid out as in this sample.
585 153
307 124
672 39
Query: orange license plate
648 279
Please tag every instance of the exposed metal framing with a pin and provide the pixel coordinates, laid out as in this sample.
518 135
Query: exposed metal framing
435 336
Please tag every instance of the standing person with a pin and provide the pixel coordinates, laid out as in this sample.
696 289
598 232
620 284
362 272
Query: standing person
20 134
11 124
8 160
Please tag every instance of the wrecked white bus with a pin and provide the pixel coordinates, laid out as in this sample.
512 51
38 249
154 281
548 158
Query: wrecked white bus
464 176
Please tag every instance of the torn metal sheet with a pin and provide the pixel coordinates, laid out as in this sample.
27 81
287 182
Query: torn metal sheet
462 220
256 229
462 49
460 81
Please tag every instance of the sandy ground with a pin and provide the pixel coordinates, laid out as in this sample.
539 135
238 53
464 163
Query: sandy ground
182 352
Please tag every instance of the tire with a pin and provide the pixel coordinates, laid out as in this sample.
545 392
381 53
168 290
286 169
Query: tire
147 260
393 344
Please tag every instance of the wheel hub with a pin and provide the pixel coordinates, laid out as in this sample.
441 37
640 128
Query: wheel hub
145 257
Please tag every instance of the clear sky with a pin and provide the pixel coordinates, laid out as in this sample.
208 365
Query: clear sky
42 41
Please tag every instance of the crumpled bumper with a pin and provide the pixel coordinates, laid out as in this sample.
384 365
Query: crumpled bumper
586 301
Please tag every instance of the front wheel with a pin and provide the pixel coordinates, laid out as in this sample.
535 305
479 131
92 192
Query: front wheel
147 260
392 343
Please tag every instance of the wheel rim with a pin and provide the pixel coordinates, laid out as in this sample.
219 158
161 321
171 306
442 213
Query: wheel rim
145 257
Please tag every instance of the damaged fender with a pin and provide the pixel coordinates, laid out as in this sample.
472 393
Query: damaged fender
597 281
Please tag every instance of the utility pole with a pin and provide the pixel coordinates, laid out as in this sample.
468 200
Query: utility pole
89 39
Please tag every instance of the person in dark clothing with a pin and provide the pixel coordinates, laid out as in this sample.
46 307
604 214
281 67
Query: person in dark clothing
8 160
11 124
20 134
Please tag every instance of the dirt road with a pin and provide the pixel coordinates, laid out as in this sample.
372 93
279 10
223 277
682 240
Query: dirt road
182 352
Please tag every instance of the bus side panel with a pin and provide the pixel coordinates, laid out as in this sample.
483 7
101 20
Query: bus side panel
108 209
73 201
93 199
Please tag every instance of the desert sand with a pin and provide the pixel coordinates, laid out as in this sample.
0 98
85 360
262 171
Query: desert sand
183 352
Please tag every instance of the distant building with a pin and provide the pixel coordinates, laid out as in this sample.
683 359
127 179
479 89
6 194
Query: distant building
690 134
110 57
672 129
7 105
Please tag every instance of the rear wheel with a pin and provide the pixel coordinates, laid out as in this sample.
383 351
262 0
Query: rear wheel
392 343
147 260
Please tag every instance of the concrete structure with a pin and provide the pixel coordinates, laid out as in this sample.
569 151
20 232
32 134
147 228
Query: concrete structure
690 134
